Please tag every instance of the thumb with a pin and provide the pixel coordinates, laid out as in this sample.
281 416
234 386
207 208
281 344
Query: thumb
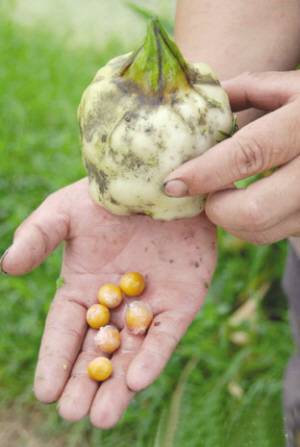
256 147
36 237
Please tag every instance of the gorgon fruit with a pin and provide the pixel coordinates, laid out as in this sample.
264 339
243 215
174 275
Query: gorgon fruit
144 114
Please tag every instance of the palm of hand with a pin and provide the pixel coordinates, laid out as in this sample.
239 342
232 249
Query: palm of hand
177 259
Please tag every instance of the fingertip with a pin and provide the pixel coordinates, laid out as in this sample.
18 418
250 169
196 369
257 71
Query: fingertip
70 410
2 260
44 392
135 384
9 264
137 377
196 176
104 423
175 188
103 415
46 389
15 260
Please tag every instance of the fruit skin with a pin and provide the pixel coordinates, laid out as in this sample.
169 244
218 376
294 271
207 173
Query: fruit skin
108 339
100 369
143 115
97 315
110 295
132 283
138 317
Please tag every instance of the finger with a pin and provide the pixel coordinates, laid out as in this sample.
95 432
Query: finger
80 390
161 340
37 237
264 91
287 228
268 142
262 205
64 332
113 396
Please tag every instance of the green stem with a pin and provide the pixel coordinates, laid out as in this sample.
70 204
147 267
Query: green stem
158 67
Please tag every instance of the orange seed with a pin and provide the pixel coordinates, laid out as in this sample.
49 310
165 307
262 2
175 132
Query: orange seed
132 283
97 315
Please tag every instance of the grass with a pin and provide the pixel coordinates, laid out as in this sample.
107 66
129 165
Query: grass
214 392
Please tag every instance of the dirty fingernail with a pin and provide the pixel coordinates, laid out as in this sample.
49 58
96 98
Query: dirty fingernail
176 188
1 262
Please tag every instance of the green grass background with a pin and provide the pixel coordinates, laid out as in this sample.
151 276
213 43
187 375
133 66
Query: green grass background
190 405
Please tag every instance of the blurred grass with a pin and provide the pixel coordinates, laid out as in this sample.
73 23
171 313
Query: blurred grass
41 82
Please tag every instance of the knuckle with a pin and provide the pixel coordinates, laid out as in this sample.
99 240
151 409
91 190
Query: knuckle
43 236
249 158
158 352
170 339
254 216
57 357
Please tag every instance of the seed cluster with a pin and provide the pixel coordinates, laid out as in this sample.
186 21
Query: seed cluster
137 317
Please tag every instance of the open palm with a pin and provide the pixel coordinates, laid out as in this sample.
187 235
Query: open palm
177 258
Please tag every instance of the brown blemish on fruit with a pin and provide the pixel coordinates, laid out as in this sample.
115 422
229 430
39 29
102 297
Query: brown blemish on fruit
149 129
114 201
200 78
202 120
132 161
100 176
128 87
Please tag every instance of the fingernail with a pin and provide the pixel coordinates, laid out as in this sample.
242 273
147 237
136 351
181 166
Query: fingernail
175 188
1 262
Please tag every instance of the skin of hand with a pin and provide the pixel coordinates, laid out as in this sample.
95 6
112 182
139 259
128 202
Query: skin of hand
269 209
99 248
177 259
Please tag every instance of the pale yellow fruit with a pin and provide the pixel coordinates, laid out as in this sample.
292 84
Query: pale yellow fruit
100 369
97 315
132 283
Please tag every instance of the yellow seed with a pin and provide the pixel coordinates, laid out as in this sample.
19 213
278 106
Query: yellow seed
110 295
97 316
138 317
100 369
132 283
108 339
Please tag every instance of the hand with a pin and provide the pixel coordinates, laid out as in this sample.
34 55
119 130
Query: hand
269 209
178 259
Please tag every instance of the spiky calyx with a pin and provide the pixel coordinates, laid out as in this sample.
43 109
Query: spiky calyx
158 67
